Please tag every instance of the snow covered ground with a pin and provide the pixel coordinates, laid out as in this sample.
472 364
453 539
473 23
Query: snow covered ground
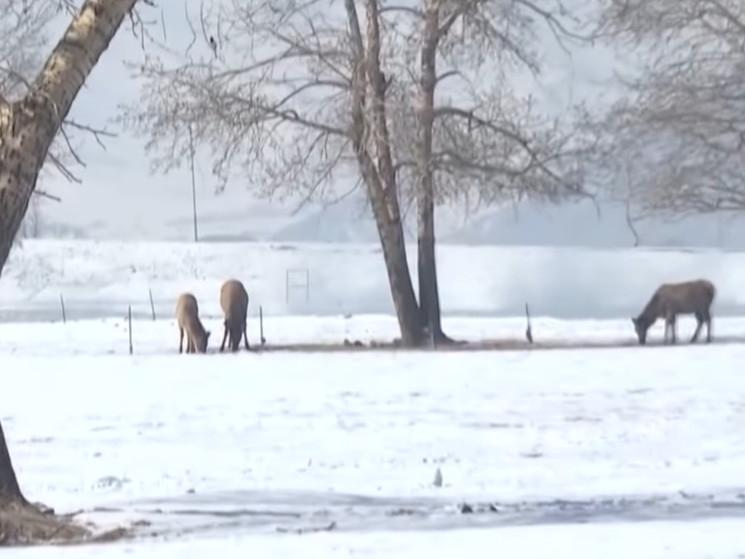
570 453
611 452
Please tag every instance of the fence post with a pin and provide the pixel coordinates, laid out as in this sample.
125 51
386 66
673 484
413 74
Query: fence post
130 329
261 325
152 304
62 304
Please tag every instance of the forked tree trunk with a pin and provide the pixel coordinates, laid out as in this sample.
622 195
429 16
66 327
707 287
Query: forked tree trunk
393 244
429 296
28 127
370 135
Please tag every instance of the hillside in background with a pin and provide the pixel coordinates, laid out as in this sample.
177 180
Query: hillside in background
350 221
530 223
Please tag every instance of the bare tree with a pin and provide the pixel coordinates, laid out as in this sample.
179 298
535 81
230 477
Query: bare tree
289 96
472 135
23 29
286 95
686 107
32 112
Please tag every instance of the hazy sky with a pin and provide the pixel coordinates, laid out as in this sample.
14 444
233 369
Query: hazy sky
120 198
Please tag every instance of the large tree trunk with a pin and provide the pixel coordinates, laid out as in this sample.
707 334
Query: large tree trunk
390 230
429 297
28 127
370 136
9 489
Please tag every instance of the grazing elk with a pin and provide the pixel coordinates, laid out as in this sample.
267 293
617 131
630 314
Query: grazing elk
187 315
234 303
670 300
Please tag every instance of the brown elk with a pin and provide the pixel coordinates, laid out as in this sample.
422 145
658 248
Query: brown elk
670 300
187 315
234 303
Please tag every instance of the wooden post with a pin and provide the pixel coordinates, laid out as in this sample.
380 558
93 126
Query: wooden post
62 304
130 330
261 325
529 329
152 304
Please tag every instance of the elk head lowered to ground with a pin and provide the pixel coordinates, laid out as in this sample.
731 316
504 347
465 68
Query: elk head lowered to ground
234 303
187 315
670 300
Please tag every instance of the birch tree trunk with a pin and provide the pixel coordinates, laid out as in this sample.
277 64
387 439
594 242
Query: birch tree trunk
28 127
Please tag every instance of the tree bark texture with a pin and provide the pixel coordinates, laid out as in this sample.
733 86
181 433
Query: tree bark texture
9 488
28 127
370 137
429 297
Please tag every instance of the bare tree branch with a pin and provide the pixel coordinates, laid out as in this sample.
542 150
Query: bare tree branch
686 109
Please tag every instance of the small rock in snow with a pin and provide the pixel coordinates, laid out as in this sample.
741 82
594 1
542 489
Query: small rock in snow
438 478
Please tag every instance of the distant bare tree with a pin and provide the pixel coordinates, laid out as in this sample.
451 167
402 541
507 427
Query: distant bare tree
684 116
23 29
290 95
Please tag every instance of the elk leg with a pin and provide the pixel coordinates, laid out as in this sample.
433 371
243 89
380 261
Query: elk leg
699 324
665 337
181 340
245 337
189 343
224 337
707 318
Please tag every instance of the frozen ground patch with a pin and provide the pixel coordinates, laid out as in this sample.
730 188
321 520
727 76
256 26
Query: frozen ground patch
225 450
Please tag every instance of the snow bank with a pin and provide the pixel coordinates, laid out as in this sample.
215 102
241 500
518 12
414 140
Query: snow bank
100 279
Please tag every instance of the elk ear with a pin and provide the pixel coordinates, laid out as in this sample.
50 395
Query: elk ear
634 320
207 334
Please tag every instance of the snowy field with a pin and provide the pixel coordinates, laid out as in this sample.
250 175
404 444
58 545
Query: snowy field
603 452
633 452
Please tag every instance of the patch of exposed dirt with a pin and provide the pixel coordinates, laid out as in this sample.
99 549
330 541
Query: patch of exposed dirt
24 524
